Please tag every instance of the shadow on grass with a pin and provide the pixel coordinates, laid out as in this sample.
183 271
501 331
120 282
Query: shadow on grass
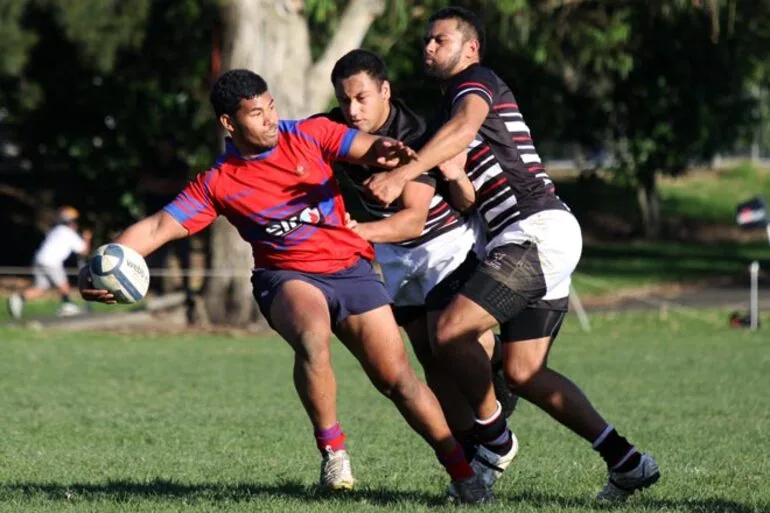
124 491
700 505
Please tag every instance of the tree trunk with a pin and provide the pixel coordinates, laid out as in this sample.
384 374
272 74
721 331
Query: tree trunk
649 205
271 38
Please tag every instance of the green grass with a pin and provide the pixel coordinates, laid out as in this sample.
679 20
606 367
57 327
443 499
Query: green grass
712 196
608 267
47 307
699 196
108 423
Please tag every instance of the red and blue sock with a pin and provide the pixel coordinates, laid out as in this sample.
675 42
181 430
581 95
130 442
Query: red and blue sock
333 438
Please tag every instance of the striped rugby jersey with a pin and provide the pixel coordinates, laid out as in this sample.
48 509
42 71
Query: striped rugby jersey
406 126
510 180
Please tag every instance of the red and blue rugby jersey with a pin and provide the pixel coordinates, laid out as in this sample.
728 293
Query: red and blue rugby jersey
284 202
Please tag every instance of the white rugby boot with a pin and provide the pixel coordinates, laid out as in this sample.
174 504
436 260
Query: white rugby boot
336 473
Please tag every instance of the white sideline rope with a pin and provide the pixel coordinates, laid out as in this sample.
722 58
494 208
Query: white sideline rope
596 283
206 273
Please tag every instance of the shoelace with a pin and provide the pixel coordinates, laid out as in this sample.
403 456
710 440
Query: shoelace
335 464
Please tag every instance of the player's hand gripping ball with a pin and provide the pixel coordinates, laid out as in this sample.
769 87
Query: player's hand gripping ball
121 271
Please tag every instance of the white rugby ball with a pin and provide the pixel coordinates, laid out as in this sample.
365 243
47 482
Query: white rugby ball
120 270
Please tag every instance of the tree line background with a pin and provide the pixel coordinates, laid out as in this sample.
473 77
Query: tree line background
652 86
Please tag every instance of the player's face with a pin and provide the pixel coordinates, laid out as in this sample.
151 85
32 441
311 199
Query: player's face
363 101
443 49
256 122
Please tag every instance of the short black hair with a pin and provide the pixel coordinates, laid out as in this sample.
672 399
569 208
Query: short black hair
357 61
468 23
232 87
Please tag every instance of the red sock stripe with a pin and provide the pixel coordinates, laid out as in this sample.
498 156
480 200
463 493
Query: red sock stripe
456 464
336 443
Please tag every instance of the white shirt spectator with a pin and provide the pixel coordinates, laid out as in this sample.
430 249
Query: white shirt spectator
60 242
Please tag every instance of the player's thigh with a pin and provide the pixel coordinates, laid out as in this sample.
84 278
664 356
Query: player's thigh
299 312
527 339
508 281
460 322
375 339
443 294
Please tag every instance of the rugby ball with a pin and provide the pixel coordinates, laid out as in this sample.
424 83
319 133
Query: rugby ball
120 270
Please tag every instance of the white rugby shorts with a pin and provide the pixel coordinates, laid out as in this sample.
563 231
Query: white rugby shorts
410 273
559 245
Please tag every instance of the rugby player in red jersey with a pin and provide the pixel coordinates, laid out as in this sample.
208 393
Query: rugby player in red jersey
313 276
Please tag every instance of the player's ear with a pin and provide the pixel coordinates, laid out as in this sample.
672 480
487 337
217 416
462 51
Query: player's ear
385 89
227 123
474 48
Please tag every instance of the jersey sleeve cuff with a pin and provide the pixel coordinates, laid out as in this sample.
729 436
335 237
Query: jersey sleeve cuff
178 213
479 91
347 141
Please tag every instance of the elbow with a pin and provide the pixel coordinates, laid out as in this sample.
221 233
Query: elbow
466 208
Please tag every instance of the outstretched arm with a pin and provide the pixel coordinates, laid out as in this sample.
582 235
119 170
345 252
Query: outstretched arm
152 232
379 151
453 137
144 236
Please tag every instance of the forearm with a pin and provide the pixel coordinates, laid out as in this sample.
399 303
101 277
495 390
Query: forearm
401 226
462 195
150 233
451 139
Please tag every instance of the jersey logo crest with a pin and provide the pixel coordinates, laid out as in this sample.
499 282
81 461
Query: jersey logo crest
283 227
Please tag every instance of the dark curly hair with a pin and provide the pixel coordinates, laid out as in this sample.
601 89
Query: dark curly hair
357 61
232 87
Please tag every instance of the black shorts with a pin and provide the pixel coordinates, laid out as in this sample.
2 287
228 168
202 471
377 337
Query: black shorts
510 286
534 323
407 314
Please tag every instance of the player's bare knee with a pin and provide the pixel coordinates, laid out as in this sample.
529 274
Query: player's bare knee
521 374
312 346
398 383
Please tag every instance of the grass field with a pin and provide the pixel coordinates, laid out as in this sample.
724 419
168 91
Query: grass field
107 423
713 195
703 196
608 267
